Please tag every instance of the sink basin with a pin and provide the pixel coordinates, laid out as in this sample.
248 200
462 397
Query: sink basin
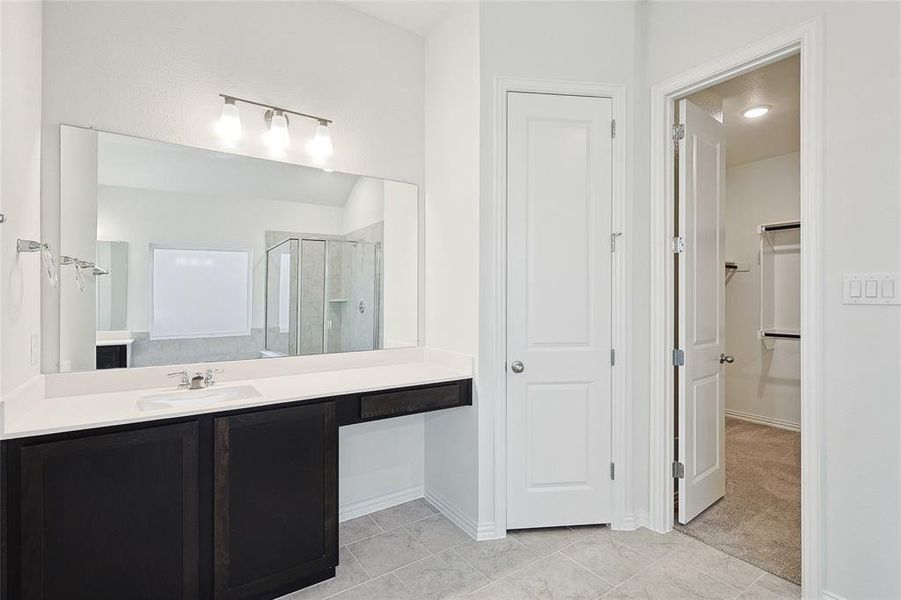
188 398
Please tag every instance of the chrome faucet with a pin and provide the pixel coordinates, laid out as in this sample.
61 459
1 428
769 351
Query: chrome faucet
185 381
197 382
210 379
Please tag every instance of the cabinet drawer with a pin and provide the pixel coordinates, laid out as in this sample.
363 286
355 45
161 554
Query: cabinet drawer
410 401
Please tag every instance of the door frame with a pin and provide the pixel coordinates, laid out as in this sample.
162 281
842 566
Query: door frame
494 226
804 39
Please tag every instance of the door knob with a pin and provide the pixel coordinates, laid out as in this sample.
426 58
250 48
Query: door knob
517 366
727 358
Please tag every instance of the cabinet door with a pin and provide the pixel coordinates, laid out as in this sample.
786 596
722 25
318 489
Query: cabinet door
111 516
275 502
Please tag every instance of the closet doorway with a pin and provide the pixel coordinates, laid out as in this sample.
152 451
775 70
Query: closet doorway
737 317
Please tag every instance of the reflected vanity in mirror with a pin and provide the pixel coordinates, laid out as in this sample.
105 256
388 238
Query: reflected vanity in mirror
205 256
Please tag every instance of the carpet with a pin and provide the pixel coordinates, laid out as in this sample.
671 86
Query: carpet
759 519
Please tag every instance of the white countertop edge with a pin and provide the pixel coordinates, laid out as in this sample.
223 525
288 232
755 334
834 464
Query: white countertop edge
24 414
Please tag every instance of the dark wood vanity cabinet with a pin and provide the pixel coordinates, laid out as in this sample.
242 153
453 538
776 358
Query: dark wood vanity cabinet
275 500
105 516
225 506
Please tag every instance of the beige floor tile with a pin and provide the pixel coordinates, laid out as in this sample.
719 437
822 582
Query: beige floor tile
437 533
711 561
387 587
441 576
546 541
553 578
650 543
356 530
607 558
386 552
668 579
496 558
770 587
402 514
348 574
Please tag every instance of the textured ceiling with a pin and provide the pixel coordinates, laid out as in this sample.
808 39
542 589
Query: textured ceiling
418 17
133 162
776 133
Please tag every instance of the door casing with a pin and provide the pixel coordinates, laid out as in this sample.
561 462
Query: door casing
493 303
806 40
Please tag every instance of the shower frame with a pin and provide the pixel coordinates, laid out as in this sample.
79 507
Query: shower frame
377 292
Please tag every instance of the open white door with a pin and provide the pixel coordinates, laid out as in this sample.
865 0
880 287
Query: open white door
702 307
559 202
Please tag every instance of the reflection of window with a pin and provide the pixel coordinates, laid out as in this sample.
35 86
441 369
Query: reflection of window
199 293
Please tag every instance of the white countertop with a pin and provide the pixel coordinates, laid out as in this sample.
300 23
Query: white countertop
30 416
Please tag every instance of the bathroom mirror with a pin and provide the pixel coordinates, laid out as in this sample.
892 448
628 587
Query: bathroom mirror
173 254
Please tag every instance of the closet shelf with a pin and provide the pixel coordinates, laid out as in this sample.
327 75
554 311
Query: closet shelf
781 226
782 334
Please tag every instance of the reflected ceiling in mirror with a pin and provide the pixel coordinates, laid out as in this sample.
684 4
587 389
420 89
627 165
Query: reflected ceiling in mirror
207 256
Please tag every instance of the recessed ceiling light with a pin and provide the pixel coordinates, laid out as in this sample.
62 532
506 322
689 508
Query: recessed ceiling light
756 111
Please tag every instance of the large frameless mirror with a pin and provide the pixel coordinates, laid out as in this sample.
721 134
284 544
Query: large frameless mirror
173 254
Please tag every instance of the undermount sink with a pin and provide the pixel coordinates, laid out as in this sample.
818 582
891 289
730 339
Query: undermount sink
186 398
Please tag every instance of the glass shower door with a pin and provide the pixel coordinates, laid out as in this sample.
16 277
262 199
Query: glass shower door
352 296
281 298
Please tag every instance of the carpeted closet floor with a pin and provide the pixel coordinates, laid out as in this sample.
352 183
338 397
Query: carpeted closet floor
759 519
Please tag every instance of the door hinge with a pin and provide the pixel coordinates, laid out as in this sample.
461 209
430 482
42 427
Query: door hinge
612 470
613 128
612 356
678 357
613 237
678 132
678 470
678 245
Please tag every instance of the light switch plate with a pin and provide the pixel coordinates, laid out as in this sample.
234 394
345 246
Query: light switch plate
871 288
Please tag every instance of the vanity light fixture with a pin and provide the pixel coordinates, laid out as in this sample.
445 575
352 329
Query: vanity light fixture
755 112
321 144
229 125
276 136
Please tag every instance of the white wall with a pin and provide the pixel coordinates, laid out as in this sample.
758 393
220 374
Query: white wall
400 265
78 240
582 41
861 415
144 217
20 188
154 69
765 380
452 250
365 204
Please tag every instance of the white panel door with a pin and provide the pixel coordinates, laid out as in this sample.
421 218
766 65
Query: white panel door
559 201
702 276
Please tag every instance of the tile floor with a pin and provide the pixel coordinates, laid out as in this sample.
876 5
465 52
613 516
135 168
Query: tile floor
412 552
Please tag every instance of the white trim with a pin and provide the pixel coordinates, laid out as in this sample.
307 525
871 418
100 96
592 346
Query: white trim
494 355
805 38
459 518
634 520
761 420
352 510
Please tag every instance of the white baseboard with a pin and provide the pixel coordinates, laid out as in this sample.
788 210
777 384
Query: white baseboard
366 506
752 418
633 520
475 530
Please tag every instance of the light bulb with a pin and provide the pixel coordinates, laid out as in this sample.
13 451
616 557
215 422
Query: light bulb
277 137
321 144
756 111
229 125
